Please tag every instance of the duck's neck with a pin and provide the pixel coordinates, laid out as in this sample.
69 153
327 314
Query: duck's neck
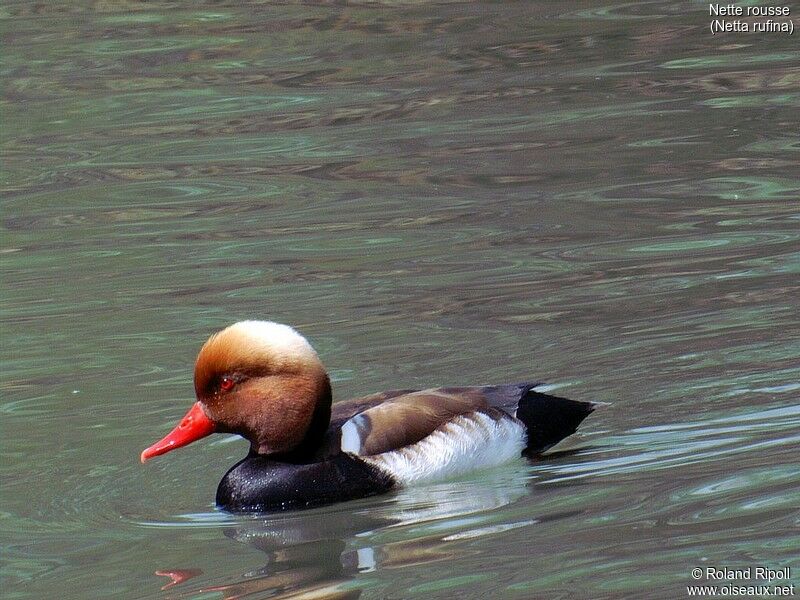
310 446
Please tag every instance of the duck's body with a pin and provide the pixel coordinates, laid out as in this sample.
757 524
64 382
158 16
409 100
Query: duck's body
394 439
263 381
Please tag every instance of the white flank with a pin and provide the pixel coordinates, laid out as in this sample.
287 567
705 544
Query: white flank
351 435
366 559
465 444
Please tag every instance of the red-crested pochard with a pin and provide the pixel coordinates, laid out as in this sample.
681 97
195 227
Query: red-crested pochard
264 381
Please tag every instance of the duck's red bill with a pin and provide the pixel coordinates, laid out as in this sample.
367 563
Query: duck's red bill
194 425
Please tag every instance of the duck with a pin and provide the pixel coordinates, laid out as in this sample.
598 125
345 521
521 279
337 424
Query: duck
265 382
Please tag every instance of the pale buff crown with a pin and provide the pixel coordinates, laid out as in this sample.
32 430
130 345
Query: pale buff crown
256 347
276 340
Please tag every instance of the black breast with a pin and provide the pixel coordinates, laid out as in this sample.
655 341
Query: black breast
258 484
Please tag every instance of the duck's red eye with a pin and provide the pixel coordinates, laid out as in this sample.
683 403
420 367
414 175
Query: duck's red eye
226 384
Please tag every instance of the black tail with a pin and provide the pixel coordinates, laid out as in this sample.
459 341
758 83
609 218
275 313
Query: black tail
549 419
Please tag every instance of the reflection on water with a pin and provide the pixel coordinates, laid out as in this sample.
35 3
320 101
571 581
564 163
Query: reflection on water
597 195
317 552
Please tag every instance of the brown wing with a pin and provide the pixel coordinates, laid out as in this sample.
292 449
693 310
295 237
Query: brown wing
342 411
405 418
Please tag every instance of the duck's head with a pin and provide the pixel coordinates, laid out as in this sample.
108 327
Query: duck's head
261 380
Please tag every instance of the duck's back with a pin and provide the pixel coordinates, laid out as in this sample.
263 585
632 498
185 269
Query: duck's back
391 420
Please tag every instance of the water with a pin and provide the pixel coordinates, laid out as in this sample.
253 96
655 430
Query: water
602 196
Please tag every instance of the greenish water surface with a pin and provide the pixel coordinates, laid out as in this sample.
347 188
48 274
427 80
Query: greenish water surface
601 196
